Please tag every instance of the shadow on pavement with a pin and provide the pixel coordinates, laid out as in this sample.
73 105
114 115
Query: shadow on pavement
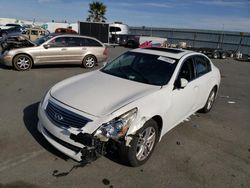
30 120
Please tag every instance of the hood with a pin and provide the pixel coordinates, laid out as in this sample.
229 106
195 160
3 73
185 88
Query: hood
98 93
16 42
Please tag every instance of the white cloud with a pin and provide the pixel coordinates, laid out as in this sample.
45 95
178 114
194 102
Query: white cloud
125 4
159 5
226 3
45 1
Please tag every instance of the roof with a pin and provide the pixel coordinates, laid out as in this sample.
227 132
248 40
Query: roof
168 52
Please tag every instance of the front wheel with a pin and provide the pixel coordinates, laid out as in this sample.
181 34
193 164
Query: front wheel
22 62
142 145
89 61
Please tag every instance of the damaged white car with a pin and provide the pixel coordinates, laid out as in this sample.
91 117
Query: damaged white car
132 102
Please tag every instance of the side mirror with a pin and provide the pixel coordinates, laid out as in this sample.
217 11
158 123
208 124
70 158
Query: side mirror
180 83
183 82
46 46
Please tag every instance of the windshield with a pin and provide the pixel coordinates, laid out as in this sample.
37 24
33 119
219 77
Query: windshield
43 39
140 67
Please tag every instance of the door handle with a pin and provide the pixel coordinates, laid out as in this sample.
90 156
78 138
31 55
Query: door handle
63 49
84 48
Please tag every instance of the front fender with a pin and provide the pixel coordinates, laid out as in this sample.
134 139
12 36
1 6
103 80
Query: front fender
155 104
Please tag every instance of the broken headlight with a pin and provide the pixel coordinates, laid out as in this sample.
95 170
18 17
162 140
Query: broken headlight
117 127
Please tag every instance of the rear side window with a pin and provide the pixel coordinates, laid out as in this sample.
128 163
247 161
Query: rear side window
202 65
73 42
92 43
114 29
34 32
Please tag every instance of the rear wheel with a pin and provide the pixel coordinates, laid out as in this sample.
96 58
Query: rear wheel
142 145
216 55
223 55
22 62
210 101
89 61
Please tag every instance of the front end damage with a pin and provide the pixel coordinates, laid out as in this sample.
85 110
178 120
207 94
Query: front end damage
93 149
107 137
15 41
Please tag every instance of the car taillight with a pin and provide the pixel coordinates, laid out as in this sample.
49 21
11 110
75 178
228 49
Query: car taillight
105 52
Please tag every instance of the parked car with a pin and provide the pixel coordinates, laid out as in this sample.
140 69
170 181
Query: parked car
15 41
12 30
54 49
132 102
35 33
7 26
126 40
65 31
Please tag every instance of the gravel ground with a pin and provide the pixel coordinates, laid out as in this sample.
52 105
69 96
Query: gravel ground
209 150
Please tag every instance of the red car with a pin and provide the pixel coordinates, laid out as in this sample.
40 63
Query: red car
65 31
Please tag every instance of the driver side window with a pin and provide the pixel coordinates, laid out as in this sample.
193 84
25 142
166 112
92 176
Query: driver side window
187 70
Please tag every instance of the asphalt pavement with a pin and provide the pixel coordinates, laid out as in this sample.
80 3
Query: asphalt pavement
207 150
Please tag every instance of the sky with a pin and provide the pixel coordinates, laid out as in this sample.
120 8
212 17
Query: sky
229 15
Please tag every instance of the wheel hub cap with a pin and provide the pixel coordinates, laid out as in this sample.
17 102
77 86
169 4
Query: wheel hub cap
145 143
90 62
23 63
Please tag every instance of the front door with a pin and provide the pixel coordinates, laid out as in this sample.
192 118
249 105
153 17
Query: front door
183 100
56 51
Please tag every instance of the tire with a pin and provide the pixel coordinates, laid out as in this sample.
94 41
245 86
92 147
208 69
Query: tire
210 101
223 55
140 150
215 55
22 62
89 61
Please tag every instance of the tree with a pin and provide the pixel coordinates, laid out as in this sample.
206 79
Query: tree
97 11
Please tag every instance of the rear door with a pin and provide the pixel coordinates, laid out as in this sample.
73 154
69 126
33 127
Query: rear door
94 47
76 49
203 76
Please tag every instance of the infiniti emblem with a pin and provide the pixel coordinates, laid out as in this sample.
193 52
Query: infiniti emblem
58 117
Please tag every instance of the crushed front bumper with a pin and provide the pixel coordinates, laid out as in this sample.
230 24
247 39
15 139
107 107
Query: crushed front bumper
79 146
91 150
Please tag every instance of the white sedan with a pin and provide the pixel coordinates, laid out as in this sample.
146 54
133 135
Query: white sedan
130 103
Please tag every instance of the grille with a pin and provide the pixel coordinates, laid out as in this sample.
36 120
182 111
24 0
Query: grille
63 117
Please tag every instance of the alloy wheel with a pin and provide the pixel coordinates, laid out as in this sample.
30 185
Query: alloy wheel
90 62
23 63
145 143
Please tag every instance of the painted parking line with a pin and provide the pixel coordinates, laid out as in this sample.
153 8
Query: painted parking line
19 160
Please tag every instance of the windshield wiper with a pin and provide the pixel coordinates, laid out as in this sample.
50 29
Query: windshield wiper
140 74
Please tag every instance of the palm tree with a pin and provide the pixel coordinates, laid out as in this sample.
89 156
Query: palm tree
97 11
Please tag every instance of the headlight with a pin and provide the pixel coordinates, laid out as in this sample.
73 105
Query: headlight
119 126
